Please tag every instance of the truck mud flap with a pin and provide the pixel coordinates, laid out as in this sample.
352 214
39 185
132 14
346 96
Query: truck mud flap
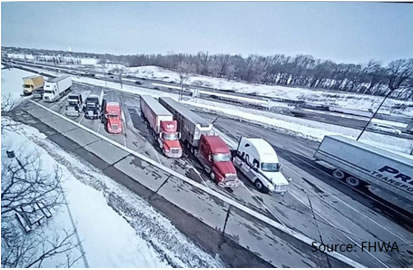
230 184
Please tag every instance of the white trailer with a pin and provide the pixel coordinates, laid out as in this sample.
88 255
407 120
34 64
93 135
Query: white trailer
56 88
258 161
154 113
362 164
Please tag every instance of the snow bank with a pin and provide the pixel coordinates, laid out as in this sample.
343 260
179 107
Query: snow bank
11 84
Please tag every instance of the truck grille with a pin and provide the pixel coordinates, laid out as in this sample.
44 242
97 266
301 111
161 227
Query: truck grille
281 188
230 176
175 150
114 127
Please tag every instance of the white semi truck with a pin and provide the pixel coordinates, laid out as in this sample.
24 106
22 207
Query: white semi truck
362 164
258 161
56 88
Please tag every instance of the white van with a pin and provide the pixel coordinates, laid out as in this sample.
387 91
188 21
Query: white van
258 161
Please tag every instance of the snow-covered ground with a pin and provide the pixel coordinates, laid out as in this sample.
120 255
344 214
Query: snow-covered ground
343 100
110 235
68 59
11 84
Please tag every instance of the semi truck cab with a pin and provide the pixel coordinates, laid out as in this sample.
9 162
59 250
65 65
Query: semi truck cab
113 117
258 161
169 139
216 158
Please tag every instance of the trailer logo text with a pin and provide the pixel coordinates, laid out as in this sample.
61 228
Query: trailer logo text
396 178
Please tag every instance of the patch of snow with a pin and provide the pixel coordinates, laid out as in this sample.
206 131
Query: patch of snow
12 84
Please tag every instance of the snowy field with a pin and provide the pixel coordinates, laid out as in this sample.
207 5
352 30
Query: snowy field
12 84
312 130
343 100
83 61
111 237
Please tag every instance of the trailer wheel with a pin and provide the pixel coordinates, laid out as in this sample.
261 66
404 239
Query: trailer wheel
353 181
258 184
339 174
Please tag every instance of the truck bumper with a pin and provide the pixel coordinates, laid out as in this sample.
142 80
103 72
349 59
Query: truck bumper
173 155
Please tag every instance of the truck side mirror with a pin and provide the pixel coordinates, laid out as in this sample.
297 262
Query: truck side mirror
161 134
209 158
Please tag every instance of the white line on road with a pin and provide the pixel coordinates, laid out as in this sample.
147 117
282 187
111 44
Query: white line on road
81 118
299 236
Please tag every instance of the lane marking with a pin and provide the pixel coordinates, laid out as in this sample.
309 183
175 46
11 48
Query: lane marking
81 118
345 235
299 236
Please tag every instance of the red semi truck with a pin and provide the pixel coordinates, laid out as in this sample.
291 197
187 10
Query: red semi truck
200 139
163 127
113 117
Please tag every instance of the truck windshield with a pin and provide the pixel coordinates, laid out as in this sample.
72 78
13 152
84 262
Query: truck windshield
270 167
27 86
113 115
48 91
221 157
170 136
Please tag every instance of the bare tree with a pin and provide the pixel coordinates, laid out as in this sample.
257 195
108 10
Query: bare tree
7 104
398 72
28 198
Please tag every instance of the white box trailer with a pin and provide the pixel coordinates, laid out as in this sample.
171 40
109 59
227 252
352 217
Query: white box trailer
56 88
154 112
359 163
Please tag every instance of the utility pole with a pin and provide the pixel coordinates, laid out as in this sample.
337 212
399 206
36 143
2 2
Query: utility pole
374 114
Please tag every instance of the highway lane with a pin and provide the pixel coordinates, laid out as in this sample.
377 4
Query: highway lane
320 215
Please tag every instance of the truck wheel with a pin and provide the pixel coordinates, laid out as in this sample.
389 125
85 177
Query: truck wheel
212 175
353 181
339 174
258 185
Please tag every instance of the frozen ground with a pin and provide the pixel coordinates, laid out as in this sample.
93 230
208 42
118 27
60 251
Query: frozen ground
116 227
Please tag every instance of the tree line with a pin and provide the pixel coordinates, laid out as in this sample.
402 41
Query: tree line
305 71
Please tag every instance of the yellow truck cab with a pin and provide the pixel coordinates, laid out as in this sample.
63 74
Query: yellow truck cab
32 83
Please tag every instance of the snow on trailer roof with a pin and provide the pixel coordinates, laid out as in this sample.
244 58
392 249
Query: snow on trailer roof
32 76
181 109
156 107
400 157
59 78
